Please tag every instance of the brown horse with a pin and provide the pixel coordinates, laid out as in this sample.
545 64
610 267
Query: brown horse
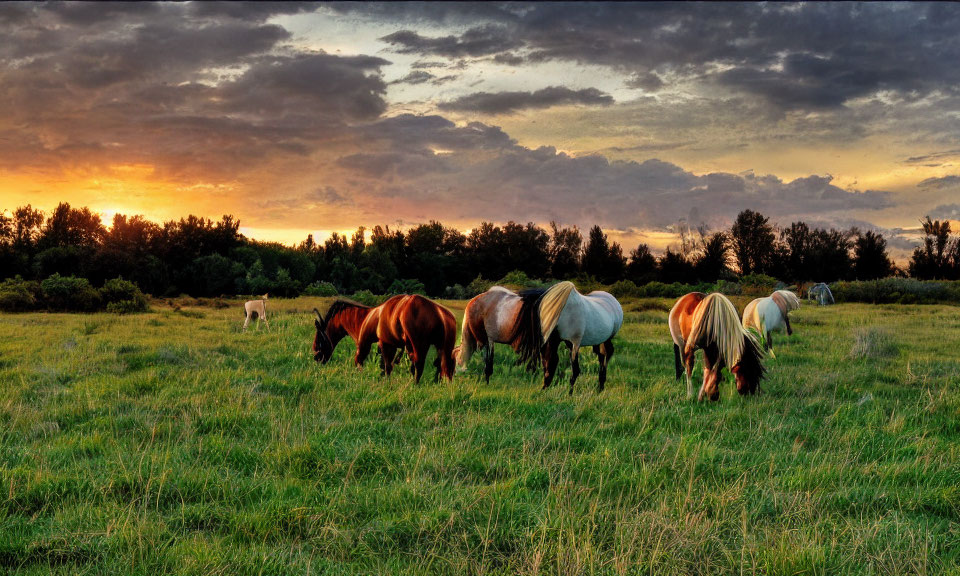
406 322
711 323
492 317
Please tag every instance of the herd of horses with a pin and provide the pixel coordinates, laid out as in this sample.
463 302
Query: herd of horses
535 322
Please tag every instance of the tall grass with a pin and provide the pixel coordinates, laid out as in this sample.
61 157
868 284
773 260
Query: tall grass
172 442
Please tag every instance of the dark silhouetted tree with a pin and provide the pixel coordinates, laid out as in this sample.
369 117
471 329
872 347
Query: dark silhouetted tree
566 245
642 266
752 240
711 262
931 259
870 259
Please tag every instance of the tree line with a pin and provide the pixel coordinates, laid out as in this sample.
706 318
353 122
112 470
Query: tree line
201 257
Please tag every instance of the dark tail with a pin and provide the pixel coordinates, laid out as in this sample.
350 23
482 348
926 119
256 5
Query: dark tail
678 364
525 337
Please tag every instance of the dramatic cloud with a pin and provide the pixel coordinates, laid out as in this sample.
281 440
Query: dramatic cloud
508 102
280 112
479 41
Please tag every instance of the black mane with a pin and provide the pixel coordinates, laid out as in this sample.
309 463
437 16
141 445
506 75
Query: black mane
751 364
339 306
525 336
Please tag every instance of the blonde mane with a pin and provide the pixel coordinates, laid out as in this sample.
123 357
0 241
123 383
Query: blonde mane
551 305
715 320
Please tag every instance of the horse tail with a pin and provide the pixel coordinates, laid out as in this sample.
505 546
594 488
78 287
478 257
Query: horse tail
447 361
525 336
678 364
715 321
551 306
468 340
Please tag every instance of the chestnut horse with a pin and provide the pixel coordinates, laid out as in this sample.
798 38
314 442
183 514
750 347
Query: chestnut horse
710 323
405 322
491 318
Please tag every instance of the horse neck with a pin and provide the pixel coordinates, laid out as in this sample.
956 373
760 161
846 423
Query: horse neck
350 321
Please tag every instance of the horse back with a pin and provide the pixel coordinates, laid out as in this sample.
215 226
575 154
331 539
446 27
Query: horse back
681 316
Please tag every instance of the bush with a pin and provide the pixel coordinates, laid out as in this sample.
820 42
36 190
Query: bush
321 288
897 291
407 286
758 284
19 295
69 293
455 292
518 280
478 286
625 289
123 297
367 298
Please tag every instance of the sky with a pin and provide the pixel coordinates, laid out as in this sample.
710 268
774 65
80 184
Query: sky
313 118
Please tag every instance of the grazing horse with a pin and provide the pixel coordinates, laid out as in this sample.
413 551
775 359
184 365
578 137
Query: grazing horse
768 314
560 313
405 322
256 310
491 318
710 323
821 293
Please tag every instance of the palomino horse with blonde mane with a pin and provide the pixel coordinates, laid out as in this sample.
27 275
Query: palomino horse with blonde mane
491 317
771 313
560 313
406 322
710 323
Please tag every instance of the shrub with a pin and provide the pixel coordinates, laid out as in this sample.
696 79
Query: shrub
478 286
321 288
758 284
407 286
123 297
897 291
19 295
455 292
367 298
519 280
69 293
624 289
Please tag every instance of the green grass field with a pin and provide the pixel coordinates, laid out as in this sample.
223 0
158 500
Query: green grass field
171 442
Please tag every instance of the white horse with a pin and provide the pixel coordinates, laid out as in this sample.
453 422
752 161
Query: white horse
560 313
490 318
821 293
769 314
256 310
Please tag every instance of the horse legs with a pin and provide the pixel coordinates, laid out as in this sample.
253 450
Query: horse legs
688 363
246 322
363 350
387 354
786 320
488 361
711 375
436 365
550 358
418 357
575 364
604 352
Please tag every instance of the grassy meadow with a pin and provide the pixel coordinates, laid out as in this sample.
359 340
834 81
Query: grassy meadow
172 442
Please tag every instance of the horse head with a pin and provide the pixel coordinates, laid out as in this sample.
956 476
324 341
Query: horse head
322 347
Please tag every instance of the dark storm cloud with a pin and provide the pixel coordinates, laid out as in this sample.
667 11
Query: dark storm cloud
479 41
509 102
479 172
155 83
415 77
796 56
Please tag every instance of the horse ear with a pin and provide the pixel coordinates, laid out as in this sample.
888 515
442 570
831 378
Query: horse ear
320 322
318 325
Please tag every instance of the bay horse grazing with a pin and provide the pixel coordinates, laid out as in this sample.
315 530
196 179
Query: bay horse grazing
710 323
405 322
560 313
491 317
256 310
766 315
